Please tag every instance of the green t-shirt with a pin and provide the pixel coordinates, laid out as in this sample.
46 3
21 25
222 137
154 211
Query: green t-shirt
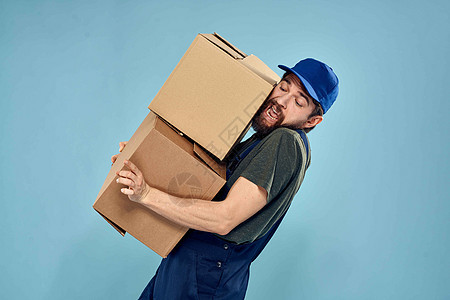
278 164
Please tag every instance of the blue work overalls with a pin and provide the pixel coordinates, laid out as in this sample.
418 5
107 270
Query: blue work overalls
203 266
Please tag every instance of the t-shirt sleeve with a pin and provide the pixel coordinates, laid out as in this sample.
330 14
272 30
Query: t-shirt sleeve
277 160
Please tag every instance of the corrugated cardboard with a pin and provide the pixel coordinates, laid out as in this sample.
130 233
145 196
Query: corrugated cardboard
213 93
170 163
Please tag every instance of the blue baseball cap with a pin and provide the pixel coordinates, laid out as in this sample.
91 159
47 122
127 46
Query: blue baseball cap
318 79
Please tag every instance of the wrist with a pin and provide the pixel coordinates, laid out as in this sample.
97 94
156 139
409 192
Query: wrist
145 193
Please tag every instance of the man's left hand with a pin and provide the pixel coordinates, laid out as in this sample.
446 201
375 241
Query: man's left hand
137 187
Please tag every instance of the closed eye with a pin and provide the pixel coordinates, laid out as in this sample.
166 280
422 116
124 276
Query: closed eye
300 102
283 86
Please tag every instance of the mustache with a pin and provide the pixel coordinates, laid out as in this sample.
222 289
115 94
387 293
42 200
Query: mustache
271 102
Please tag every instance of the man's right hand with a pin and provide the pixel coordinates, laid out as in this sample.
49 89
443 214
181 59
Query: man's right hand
121 146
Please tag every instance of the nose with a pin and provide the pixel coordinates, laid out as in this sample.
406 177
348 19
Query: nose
283 100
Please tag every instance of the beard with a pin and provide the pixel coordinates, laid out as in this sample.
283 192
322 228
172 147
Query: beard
260 124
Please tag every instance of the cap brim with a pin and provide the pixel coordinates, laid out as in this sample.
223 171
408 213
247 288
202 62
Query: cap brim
305 82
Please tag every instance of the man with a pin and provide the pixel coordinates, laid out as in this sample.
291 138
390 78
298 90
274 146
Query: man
212 261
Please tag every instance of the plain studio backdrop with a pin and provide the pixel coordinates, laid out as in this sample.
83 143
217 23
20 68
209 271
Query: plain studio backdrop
371 219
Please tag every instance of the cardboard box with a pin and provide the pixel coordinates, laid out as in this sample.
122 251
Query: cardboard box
170 163
213 93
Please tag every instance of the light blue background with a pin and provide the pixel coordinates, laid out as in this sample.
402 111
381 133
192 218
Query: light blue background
371 220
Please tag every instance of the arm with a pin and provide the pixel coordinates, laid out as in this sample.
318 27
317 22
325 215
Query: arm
244 200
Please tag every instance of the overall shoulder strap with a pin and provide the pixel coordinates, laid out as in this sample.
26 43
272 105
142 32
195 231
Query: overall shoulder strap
306 143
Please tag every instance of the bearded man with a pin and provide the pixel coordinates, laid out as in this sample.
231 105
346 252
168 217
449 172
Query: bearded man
213 259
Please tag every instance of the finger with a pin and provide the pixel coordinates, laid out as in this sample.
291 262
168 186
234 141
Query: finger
128 174
127 191
114 158
133 168
126 181
122 145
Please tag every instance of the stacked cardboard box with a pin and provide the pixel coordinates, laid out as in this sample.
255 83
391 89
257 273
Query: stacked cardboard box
207 103
169 162
213 93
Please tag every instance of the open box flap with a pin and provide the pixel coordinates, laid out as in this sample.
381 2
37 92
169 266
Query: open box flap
256 65
168 124
229 44
117 227
214 165
224 45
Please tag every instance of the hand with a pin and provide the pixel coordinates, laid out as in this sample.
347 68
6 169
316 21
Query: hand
137 187
121 146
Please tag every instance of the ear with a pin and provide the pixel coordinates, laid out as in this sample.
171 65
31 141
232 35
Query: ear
313 121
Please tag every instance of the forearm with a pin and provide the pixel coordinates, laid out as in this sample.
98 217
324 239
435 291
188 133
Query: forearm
197 214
